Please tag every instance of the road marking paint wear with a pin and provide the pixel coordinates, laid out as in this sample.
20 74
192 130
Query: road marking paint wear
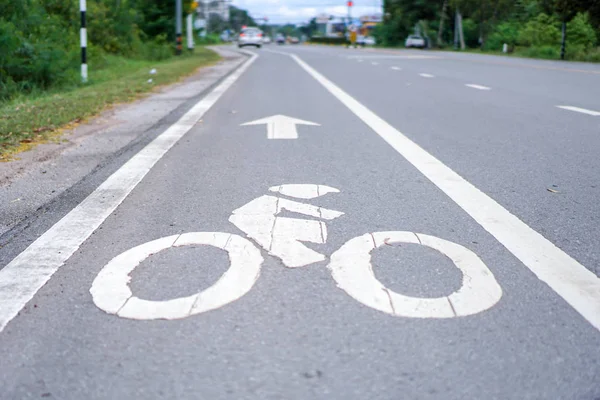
374 63
426 75
303 191
351 268
281 236
567 277
30 270
111 293
580 110
280 126
397 68
479 87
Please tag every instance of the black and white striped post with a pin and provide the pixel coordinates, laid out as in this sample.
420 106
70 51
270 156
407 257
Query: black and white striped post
178 13
83 40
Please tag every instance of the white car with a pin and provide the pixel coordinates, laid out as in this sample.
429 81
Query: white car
250 37
266 40
415 41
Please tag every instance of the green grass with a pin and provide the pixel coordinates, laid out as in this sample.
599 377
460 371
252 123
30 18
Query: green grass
40 116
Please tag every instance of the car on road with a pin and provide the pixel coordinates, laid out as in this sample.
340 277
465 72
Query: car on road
415 41
280 39
294 40
266 40
250 37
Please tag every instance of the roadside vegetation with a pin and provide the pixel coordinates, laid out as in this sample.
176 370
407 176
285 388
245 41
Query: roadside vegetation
40 84
530 28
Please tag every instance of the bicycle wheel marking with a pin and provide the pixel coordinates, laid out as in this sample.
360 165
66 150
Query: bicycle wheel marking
111 293
351 268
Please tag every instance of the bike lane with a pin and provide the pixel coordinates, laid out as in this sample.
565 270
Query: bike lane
295 334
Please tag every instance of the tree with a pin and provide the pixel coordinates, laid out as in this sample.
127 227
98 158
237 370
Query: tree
239 18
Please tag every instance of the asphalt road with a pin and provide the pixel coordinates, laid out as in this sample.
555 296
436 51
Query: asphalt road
484 284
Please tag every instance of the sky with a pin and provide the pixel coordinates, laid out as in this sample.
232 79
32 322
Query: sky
297 11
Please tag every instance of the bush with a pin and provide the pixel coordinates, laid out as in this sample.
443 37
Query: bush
541 31
212 38
580 33
547 52
592 55
471 32
506 32
328 40
393 32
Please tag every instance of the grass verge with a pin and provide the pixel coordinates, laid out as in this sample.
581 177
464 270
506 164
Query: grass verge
38 118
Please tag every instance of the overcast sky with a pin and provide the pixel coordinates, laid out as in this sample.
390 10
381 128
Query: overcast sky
281 11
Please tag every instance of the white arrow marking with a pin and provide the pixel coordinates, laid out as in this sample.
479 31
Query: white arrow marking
280 126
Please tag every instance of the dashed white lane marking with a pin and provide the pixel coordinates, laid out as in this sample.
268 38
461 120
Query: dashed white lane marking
351 268
580 110
374 63
30 270
360 60
479 87
111 293
569 279
397 68
427 75
392 57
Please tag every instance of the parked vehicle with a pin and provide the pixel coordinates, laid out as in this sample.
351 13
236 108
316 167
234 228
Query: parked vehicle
250 37
415 41
365 40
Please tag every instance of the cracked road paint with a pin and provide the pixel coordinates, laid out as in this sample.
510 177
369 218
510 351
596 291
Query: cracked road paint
352 270
111 293
282 236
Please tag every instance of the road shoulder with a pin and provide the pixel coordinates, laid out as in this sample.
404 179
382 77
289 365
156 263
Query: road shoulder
45 173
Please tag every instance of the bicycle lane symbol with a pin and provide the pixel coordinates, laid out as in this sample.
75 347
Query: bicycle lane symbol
282 237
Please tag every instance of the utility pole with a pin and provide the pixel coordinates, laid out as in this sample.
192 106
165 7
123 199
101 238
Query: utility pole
83 41
178 12
350 4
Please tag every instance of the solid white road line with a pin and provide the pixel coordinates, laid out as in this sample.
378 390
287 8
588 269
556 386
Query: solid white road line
472 85
427 75
30 270
571 280
397 68
580 110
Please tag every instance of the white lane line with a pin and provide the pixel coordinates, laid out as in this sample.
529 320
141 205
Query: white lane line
571 280
427 75
580 110
29 271
374 63
397 68
479 87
